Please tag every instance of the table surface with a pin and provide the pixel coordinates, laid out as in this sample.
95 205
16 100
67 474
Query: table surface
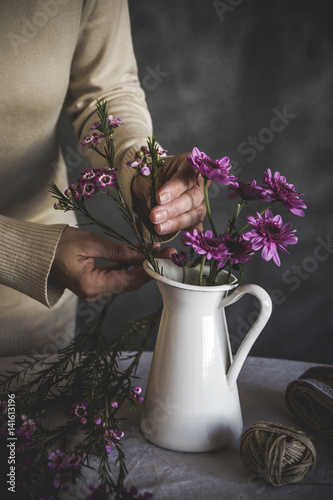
219 475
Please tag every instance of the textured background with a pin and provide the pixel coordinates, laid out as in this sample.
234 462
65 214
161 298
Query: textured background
216 74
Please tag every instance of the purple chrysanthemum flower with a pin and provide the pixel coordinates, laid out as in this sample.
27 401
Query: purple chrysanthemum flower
238 250
137 389
247 191
179 259
204 243
270 235
216 170
279 189
80 411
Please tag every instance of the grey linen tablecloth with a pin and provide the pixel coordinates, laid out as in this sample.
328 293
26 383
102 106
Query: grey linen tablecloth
219 475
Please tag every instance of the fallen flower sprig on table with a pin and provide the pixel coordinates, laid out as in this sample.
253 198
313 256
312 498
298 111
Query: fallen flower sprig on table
87 381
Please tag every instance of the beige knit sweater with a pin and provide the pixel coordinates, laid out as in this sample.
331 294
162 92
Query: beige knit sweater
51 49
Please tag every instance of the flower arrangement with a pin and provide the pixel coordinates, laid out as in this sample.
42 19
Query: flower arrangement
227 251
230 250
86 378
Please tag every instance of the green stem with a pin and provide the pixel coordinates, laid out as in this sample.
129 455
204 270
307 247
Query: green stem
229 272
151 259
236 213
209 213
212 273
203 260
262 212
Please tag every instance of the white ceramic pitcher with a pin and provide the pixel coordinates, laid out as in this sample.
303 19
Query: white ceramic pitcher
191 401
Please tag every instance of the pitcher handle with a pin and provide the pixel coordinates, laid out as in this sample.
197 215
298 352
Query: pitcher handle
255 330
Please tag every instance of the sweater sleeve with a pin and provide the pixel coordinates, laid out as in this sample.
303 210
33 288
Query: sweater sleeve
27 251
104 67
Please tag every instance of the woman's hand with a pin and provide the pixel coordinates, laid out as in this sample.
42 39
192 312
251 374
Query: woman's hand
180 201
74 265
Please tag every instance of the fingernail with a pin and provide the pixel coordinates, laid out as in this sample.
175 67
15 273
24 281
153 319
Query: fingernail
164 228
159 215
165 197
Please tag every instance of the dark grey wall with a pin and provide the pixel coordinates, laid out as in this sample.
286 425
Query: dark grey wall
215 75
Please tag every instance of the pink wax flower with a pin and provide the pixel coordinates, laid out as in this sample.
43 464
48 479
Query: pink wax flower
98 493
93 139
112 437
105 178
57 459
29 428
270 235
86 188
145 170
74 462
215 170
114 122
278 189
88 175
62 480
95 125
137 160
80 411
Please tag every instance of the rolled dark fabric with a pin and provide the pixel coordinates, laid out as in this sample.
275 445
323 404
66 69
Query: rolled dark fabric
310 400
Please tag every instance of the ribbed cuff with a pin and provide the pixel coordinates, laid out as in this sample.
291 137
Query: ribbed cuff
27 251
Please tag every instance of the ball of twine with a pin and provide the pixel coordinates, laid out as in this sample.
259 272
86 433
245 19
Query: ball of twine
278 453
